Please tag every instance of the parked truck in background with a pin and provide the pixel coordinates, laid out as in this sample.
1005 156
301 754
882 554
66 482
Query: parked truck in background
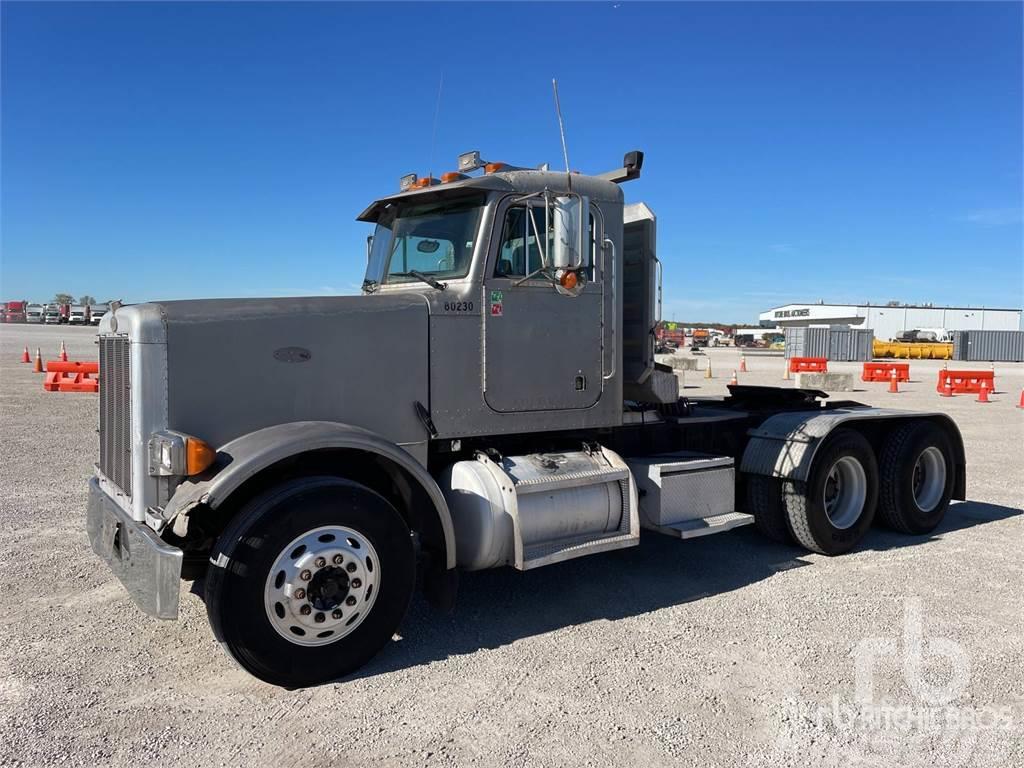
670 335
34 313
15 312
52 314
78 314
924 336
524 422
97 311
699 338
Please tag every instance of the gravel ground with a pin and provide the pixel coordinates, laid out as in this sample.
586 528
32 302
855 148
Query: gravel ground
729 651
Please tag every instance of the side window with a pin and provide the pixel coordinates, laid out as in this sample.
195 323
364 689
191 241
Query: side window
519 255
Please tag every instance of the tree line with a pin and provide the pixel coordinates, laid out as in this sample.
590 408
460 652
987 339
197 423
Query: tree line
67 298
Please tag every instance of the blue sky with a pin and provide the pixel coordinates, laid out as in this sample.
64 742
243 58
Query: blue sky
795 152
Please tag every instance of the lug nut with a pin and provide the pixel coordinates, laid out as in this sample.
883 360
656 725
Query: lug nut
305 610
319 618
299 593
350 600
305 575
356 583
320 562
351 567
338 559
336 614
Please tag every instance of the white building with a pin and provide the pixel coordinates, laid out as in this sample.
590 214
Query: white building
887 322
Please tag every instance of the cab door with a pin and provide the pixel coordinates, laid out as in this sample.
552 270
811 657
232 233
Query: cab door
543 350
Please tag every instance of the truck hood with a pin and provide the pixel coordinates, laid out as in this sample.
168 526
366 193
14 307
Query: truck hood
237 365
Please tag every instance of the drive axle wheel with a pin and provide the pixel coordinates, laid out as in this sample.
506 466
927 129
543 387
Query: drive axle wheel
310 580
764 502
917 477
831 512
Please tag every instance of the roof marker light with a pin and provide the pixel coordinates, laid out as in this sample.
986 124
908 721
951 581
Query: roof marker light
493 167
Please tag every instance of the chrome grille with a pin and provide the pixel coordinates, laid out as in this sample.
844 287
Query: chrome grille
116 411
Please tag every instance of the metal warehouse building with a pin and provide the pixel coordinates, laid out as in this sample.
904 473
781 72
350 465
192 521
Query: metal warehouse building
888 321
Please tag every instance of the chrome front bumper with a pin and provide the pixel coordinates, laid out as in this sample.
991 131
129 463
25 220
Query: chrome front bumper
149 568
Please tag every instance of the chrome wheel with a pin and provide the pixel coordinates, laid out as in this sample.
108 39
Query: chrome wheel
322 585
846 490
929 478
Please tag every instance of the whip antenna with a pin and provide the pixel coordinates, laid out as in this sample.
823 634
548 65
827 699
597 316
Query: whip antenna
433 135
561 126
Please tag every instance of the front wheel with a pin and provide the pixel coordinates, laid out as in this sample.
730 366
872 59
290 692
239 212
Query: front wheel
310 580
831 512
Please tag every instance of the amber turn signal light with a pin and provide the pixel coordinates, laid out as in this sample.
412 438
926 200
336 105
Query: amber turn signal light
198 456
568 280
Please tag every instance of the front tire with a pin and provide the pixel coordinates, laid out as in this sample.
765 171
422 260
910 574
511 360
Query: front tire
833 510
310 580
917 478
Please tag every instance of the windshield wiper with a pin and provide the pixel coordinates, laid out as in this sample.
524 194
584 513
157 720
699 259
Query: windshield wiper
423 278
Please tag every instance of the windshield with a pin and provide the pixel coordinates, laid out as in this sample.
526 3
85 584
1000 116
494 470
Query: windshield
433 238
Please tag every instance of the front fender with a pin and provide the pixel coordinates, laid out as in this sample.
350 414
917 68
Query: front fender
784 445
246 456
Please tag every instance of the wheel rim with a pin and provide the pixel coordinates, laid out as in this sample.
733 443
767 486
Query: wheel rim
846 490
929 478
322 586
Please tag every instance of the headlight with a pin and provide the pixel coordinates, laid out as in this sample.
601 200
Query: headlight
178 454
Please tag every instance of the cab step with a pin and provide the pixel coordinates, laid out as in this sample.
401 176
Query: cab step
691 529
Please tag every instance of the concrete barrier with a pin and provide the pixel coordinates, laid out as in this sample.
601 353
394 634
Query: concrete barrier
829 382
681 363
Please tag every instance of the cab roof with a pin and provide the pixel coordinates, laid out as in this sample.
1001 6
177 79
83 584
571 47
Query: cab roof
511 181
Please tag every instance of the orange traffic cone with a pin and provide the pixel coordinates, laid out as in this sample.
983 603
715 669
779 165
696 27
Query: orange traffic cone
743 363
1021 404
63 352
947 389
25 357
707 371
733 381
894 385
39 361
983 392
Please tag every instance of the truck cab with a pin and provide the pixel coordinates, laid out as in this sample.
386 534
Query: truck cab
78 315
490 399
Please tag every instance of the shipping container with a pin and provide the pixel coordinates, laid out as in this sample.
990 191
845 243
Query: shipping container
989 346
807 342
850 344
959 345
839 344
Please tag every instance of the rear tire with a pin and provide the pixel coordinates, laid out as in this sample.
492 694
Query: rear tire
917 478
764 502
344 546
831 512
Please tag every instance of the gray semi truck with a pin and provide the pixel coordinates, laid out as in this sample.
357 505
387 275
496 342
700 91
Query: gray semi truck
492 399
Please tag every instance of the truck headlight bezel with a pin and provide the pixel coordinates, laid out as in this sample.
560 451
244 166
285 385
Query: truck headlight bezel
175 454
